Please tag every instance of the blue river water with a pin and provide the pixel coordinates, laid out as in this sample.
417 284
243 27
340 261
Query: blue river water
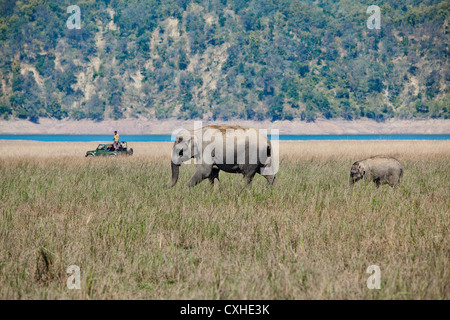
167 138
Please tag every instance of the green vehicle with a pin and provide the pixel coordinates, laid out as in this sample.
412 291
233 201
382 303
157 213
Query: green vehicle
105 149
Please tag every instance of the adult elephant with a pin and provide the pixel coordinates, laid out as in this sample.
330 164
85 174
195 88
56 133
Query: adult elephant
229 148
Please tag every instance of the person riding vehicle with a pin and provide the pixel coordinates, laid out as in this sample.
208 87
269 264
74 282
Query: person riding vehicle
116 140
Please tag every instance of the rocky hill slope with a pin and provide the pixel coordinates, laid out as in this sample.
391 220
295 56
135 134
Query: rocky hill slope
224 59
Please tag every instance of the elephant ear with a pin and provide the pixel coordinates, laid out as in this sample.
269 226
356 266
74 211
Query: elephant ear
196 152
362 169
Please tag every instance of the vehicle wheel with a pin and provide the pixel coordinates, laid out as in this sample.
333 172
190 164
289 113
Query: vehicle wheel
131 152
112 155
90 156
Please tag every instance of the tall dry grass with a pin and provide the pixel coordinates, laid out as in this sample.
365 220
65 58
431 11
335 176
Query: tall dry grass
311 237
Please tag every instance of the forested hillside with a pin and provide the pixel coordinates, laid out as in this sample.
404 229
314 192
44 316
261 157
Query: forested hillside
224 59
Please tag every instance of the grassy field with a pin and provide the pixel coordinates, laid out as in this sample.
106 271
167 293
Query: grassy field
310 237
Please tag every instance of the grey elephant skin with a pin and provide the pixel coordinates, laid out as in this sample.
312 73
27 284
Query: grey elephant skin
186 148
379 169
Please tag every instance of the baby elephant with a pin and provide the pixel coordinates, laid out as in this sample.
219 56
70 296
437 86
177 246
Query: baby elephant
379 169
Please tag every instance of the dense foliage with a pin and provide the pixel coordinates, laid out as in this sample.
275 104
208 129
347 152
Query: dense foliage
224 59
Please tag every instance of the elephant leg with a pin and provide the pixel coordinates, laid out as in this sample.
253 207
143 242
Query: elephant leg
249 178
377 182
394 180
203 172
214 176
270 179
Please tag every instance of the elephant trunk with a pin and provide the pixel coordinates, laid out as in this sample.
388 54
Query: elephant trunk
175 173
